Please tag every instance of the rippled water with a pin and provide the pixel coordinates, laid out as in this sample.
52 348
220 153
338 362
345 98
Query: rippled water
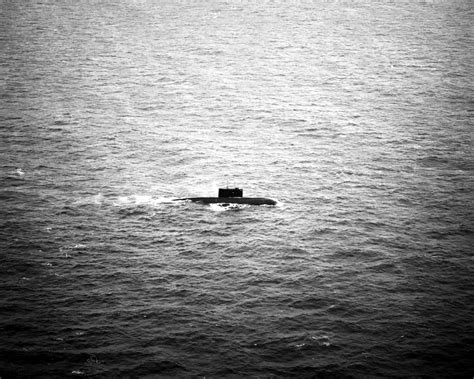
355 116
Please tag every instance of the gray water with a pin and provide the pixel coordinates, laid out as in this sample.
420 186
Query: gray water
355 116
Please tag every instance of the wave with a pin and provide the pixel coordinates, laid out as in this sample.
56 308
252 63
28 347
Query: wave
126 200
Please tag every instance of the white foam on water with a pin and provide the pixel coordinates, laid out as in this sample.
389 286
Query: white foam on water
168 200
144 200
279 204
98 199
121 200
222 207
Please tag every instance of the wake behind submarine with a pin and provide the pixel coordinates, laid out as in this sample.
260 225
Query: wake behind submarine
232 196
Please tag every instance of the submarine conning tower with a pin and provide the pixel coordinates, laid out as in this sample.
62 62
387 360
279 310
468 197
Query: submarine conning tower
230 192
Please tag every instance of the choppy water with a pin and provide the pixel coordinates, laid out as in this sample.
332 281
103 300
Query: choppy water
355 116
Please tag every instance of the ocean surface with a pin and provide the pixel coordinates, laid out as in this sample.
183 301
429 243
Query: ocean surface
356 116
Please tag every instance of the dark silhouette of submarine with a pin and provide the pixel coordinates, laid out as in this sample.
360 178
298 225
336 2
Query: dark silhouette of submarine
232 196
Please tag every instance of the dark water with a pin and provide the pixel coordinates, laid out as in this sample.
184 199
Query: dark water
356 116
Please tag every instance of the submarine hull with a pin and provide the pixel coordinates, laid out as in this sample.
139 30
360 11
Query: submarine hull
232 200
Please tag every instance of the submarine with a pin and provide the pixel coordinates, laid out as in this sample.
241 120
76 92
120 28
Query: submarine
231 196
